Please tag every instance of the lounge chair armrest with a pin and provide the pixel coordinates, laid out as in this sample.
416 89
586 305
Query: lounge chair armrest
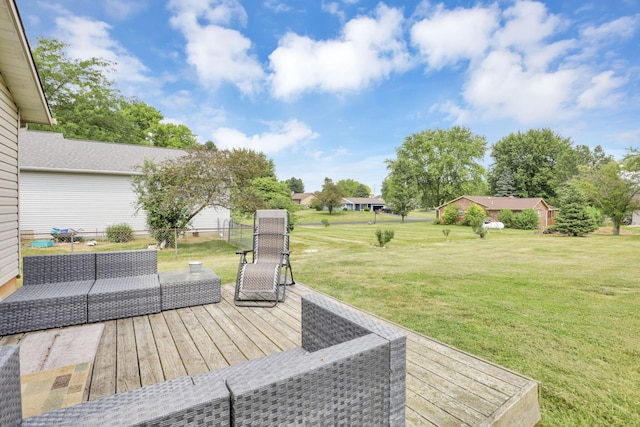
244 252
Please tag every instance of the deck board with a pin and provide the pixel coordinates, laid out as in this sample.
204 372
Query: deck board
445 386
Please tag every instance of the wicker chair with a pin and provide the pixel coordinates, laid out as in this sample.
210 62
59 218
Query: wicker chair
263 281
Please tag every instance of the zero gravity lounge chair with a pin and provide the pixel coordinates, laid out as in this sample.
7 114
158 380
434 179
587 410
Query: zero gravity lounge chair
263 282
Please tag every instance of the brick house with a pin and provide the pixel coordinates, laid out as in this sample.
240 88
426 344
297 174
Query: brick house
493 205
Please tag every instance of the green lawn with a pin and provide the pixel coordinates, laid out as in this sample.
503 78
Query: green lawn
561 310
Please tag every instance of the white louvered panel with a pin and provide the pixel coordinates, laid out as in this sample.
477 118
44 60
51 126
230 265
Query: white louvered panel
79 201
88 201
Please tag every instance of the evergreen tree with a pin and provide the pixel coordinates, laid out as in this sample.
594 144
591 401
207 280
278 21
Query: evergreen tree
505 185
573 216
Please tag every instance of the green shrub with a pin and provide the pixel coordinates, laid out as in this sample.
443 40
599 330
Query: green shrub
527 220
325 221
119 233
474 216
384 237
506 217
367 209
450 215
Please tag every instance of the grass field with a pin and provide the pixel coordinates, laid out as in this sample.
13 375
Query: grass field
561 310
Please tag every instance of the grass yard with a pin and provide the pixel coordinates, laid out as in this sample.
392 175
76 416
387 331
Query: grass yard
561 310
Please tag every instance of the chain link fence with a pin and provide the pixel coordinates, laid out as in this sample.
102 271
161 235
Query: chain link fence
234 233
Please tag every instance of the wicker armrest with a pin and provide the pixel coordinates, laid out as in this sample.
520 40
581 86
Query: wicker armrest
325 324
347 384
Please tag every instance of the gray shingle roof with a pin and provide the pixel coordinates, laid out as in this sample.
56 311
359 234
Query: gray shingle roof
51 151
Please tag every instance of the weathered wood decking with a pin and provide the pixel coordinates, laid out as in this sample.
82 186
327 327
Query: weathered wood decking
445 387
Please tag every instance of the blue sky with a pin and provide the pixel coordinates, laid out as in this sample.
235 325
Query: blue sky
332 88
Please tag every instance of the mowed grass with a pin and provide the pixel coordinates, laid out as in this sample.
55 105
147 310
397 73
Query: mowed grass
558 309
561 310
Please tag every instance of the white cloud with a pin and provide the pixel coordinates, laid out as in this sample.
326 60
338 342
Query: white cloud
91 38
528 25
523 70
449 36
219 54
621 28
123 9
281 135
602 91
277 6
369 50
501 87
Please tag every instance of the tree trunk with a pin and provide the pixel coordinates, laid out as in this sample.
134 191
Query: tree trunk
616 229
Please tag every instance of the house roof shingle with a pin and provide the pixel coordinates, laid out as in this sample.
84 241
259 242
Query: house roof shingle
51 151
363 200
500 203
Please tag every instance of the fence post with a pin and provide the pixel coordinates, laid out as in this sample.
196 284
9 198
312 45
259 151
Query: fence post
175 241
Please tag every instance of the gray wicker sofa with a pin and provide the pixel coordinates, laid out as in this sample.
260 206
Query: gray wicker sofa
350 371
70 289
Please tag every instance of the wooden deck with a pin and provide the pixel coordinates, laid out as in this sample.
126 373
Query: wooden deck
445 387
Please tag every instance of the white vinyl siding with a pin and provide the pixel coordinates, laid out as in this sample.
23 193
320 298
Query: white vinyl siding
90 202
9 241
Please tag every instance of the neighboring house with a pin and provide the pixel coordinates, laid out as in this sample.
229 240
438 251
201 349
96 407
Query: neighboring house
22 101
303 199
493 206
362 203
86 185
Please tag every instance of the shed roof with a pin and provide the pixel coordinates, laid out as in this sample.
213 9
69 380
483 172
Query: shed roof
17 68
51 151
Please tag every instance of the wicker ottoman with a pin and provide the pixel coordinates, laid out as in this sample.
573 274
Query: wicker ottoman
185 289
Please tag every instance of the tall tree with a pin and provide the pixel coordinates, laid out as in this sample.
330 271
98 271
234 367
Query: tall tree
612 188
330 196
446 163
82 99
87 105
399 189
531 159
295 185
171 135
140 118
353 188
